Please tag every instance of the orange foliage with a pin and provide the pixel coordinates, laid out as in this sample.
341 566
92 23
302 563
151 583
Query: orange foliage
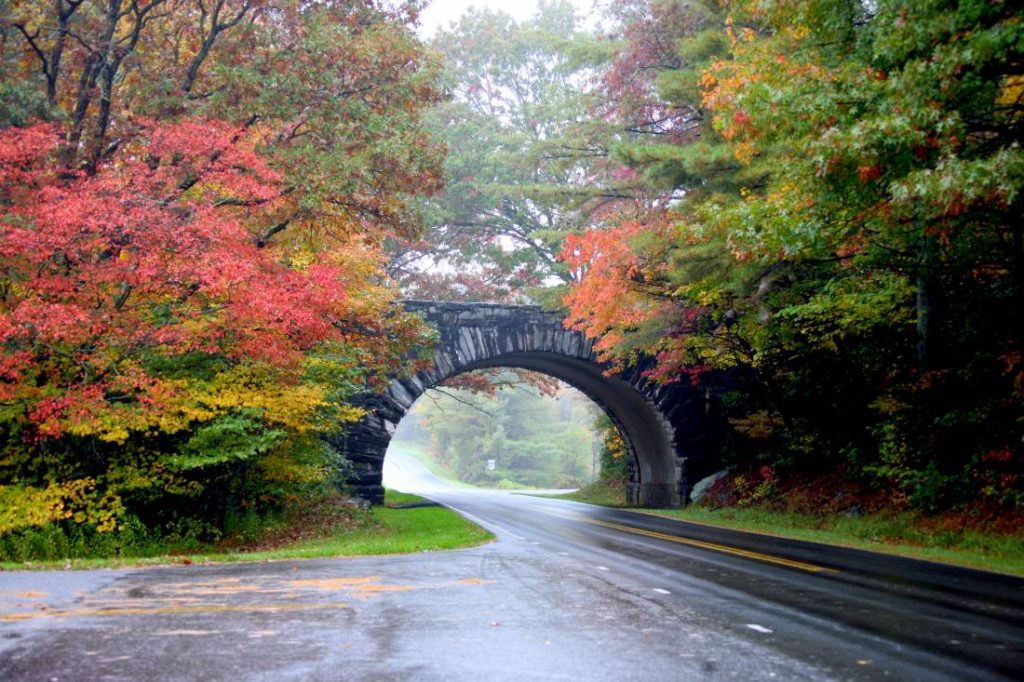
609 293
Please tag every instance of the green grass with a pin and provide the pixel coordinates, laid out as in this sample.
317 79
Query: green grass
901 534
598 492
377 532
394 498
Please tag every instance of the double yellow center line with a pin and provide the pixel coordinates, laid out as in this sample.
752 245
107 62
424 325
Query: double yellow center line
713 546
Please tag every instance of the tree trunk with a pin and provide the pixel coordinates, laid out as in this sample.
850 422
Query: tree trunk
925 303
98 61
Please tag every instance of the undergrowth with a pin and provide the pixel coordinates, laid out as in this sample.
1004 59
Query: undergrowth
328 527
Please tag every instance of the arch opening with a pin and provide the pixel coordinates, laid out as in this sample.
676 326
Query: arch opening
646 434
500 429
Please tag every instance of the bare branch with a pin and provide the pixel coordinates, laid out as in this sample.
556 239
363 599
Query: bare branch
31 40
459 399
217 27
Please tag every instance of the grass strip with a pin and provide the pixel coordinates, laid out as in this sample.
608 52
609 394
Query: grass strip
899 534
598 492
379 531
895 533
394 498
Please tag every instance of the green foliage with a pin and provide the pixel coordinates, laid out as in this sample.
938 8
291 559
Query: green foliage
20 103
62 541
614 458
231 438
844 236
848 309
320 528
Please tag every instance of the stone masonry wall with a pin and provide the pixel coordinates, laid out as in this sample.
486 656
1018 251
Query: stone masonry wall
476 335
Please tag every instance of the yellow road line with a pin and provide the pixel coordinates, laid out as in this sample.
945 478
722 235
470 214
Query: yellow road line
162 610
715 547
746 554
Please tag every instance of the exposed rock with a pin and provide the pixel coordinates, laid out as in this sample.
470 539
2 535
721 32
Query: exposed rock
705 483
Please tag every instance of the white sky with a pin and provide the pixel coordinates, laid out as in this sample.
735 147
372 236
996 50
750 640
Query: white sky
441 13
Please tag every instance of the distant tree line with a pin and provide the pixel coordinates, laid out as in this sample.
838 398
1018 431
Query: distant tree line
532 439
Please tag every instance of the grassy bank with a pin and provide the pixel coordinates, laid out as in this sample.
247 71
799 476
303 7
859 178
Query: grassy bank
381 530
598 492
896 533
899 533
395 499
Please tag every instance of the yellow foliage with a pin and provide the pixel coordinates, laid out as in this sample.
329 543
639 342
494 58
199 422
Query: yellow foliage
78 500
614 444
173 406
1012 96
290 464
759 425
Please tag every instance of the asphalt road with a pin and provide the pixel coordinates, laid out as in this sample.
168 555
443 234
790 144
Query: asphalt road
568 592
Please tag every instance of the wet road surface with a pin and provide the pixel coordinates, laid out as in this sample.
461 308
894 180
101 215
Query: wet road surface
568 592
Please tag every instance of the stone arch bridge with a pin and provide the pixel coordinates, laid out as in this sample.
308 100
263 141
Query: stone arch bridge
665 428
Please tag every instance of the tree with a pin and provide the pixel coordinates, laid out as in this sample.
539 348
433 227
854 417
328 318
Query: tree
899 138
527 158
653 278
192 272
